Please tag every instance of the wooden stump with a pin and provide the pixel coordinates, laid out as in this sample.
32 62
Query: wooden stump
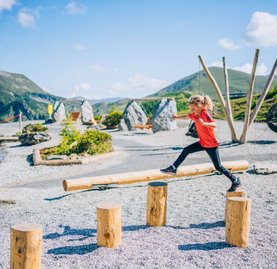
25 246
237 193
238 221
156 204
109 227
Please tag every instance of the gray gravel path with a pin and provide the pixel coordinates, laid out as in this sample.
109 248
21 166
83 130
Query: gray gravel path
194 236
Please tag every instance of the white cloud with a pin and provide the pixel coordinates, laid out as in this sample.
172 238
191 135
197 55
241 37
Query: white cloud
247 68
79 47
262 30
228 44
74 8
81 89
28 17
138 85
216 63
7 4
97 68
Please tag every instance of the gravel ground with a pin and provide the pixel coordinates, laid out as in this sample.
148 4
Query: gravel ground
194 236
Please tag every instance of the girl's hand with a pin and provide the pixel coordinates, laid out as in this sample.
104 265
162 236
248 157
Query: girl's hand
174 117
202 122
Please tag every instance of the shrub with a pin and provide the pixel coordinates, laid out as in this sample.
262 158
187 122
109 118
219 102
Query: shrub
93 142
70 136
113 119
34 128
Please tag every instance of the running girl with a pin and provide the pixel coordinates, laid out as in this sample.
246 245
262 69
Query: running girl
205 125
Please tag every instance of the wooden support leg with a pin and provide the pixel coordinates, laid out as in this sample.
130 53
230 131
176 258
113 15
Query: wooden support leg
25 246
109 226
238 221
156 204
237 193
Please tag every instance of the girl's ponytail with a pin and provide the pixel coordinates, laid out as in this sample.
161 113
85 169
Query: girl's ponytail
208 103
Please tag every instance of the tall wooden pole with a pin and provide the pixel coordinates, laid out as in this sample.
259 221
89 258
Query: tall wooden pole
249 98
220 97
264 93
227 90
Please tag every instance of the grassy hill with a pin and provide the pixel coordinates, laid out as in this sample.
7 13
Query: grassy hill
199 83
18 93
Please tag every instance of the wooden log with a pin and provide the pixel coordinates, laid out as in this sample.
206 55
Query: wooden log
25 246
8 139
238 221
38 161
242 139
237 193
227 91
60 162
156 204
109 227
220 98
149 175
264 93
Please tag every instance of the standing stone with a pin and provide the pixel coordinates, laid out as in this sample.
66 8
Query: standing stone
271 118
132 115
87 113
59 112
162 120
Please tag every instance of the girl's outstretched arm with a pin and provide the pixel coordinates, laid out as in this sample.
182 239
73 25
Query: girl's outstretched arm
207 124
176 117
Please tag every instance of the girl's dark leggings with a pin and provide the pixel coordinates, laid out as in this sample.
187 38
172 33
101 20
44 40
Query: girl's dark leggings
212 152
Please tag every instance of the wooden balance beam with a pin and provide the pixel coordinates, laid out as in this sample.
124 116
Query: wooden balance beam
149 175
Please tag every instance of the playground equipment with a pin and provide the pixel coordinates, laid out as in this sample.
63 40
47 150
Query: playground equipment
237 193
238 221
149 175
249 116
156 204
26 239
109 227
25 246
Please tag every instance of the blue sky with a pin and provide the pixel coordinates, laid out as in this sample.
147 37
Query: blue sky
99 49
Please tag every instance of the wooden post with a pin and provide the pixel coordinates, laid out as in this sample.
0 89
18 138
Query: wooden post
26 246
227 91
264 93
237 193
220 97
238 221
156 204
109 227
249 98
20 122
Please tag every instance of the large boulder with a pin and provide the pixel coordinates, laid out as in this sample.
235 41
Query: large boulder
33 138
132 115
87 113
59 112
162 119
271 118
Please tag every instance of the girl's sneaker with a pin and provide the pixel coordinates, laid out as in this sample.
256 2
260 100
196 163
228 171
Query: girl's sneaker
169 170
236 184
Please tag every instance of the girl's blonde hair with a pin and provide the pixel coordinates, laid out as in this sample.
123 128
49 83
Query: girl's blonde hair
203 100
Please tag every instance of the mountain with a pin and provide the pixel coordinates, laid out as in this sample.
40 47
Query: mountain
97 101
198 83
19 93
